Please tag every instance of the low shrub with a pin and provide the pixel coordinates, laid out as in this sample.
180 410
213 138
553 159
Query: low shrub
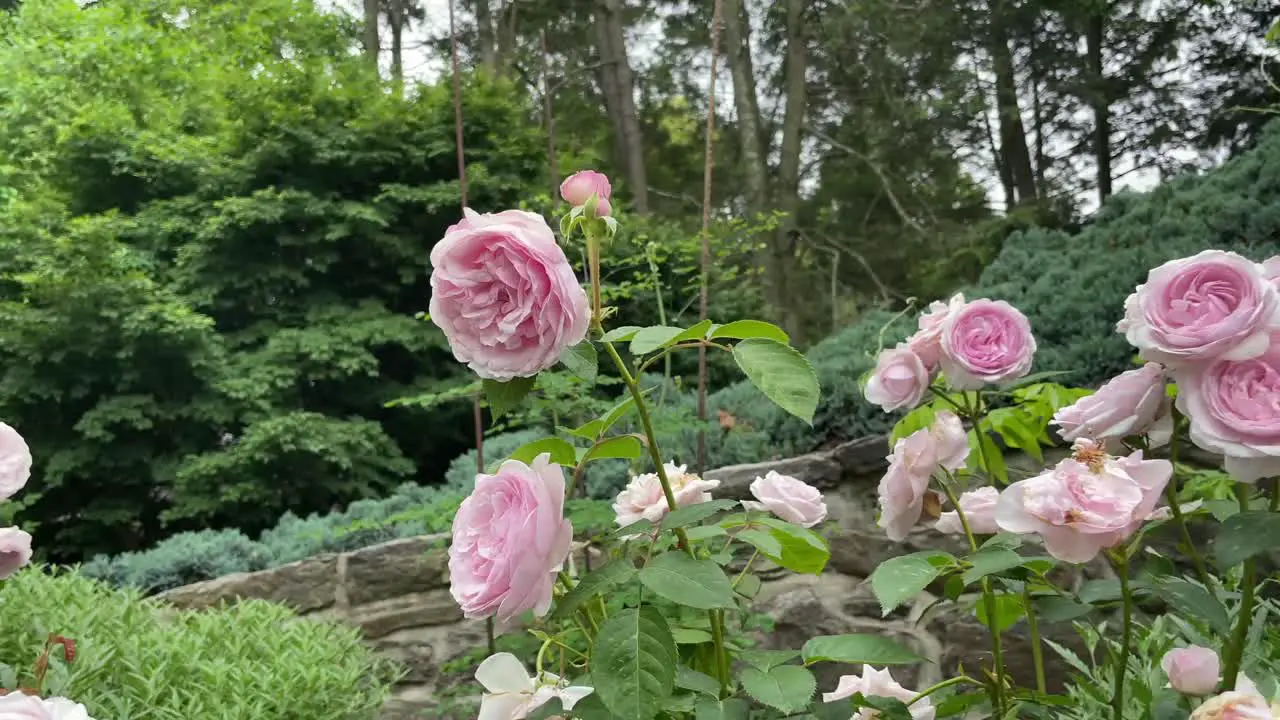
251 661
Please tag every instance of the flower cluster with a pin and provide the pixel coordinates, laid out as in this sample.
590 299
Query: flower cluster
15 470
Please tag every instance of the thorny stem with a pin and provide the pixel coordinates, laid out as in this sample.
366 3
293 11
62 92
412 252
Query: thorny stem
1234 655
944 684
1126 634
1037 652
1171 496
746 568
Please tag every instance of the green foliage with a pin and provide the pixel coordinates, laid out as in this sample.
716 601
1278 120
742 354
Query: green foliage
135 660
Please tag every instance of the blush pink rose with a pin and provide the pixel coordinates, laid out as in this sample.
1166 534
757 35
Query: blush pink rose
912 463
1085 504
643 499
1234 410
789 498
1271 270
979 508
578 188
1126 405
898 381
1242 703
505 295
879 683
1212 305
15 462
927 342
15 550
986 342
20 706
510 537
1192 671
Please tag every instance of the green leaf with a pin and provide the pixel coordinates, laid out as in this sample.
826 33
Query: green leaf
705 532
689 636
505 396
985 456
562 453
696 513
788 688
803 550
1244 535
626 447
639 527
989 561
918 419
647 340
1009 610
765 659
1096 591
598 427
697 331
748 329
633 663
685 581
619 572
857 649
621 334
899 579
731 709
1193 601
582 360
749 586
1016 430
1054 608
886 708
762 541
546 710
781 373
592 707
1033 379
698 682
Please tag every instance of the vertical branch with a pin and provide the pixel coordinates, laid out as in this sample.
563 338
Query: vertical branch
552 165
476 413
704 281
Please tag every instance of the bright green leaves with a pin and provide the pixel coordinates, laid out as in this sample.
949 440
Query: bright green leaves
788 688
647 340
781 373
798 549
594 583
625 447
503 397
582 360
1244 535
748 329
856 649
562 453
694 514
683 580
633 663
1194 601
1008 609
900 579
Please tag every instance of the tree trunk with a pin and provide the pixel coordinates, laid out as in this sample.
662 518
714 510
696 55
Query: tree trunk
619 88
784 246
488 38
1037 119
397 17
1013 135
1100 100
737 37
371 31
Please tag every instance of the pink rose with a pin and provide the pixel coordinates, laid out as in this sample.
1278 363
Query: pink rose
927 342
986 342
505 295
20 706
1234 409
604 208
1192 671
1212 305
1126 405
1271 270
790 499
510 537
979 508
578 188
15 462
899 380
511 693
1242 703
15 550
63 709
643 499
879 683
1086 503
911 465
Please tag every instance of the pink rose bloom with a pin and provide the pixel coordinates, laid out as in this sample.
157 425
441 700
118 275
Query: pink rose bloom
1234 409
1192 671
979 508
927 342
510 537
878 683
578 188
505 295
911 465
899 380
20 706
986 342
604 208
791 499
15 462
1212 305
1086 503
643 499
15 550
1242 703
1271 270
511 693
1126 405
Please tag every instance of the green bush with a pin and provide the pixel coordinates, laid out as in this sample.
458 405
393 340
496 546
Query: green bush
251 661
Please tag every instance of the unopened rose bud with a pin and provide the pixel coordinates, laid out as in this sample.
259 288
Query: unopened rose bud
603 208
1192 671
580 186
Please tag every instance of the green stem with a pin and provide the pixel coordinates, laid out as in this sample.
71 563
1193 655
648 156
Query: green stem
944 684
746 568
1126 634
1234 655
491 639
1037 652
1175 508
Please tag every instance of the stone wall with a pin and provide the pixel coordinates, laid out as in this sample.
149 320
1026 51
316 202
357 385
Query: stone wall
397 593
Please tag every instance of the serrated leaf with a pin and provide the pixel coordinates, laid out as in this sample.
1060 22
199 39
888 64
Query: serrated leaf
1053 608
621 334
762 541
503 397
803 550
731 709
697 331
746 329
696 513
633 663
989 561
690 636
685 581
1009 609
625 447
598 427
765 659
1244 535
985 456
649 339
594 583
562 453
781 373
592 707
705 532
697 682
857 649
788 688
582 360
918 419
1193 601
900 579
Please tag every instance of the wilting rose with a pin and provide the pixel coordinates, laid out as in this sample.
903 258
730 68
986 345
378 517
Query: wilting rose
643 499
1086 503
578 188
789 498
879 683
1126 405
505 295
1234 410
904 487
510 537
15 550
1192 671
898 381
1209 306
927 342
15 462
986 342
511 693
979 508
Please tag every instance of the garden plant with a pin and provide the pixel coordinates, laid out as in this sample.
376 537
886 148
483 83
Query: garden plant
655 630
